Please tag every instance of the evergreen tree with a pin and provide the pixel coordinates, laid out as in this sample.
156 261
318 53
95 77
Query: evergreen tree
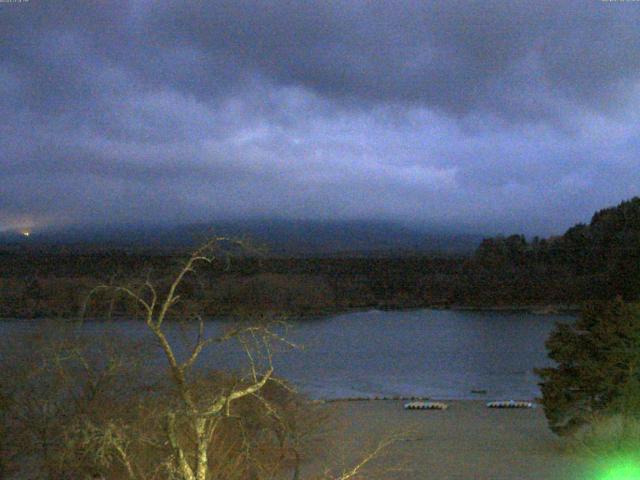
598 366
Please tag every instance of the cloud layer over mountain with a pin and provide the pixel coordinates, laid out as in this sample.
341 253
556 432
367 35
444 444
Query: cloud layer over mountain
488 116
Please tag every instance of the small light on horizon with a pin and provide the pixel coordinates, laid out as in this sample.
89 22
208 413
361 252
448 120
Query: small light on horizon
26 233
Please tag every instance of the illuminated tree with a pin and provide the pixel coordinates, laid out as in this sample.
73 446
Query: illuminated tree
195 412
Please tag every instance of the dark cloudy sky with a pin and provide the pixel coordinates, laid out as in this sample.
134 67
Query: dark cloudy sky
490 116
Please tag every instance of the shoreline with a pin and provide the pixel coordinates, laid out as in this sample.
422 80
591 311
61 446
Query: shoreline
417 398
541 309
465 441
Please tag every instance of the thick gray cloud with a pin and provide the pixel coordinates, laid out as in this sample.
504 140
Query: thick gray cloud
490 116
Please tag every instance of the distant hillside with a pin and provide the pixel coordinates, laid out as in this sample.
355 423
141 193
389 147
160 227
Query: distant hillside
317 267
595 261
281 237
609 245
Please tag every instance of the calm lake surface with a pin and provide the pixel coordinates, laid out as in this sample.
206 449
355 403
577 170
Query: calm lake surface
442 354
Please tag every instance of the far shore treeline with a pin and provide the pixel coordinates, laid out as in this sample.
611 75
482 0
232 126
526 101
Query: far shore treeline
595 261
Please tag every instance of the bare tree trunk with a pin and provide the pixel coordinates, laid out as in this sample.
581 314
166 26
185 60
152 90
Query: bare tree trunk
296 470
202 444
184 469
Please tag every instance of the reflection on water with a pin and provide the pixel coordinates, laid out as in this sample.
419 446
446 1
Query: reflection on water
437 353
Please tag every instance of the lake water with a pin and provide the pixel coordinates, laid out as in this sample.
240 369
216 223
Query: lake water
442 354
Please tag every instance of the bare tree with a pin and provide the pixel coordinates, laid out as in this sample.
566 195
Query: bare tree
197 413
191 424
55 378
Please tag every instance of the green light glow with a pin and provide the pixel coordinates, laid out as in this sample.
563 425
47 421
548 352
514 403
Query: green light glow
622 469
